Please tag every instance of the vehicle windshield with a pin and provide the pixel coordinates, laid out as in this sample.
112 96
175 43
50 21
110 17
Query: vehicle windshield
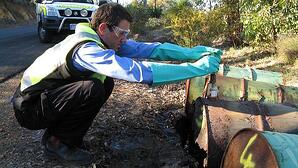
80 1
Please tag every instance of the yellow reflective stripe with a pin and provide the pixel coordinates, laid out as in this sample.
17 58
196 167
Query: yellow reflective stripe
99 76
91 39
75 6
43 9
35 79
85 27
37 75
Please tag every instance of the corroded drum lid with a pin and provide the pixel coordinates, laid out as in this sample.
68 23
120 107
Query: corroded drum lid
249 149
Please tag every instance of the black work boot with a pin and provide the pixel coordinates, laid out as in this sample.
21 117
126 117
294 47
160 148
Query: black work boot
46 136
70 155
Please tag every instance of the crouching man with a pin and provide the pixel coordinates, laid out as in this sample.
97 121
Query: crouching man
64 88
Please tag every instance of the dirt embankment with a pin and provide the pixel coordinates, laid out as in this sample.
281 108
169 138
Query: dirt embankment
14 12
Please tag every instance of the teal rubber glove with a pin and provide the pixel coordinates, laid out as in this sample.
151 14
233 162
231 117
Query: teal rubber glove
171 73
171 52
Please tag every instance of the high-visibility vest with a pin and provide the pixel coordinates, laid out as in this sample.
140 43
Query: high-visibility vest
56 62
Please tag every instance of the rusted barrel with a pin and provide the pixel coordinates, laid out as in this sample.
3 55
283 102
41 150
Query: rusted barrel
255 149
215 122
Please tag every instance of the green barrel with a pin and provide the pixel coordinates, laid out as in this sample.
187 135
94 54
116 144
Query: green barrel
285 148
250 148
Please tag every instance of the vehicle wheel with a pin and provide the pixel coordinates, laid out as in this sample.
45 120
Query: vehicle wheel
44 35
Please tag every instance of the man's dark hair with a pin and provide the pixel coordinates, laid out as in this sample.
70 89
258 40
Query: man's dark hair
110 13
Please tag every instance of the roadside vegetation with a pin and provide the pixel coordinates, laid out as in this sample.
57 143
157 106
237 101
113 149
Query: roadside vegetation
259 34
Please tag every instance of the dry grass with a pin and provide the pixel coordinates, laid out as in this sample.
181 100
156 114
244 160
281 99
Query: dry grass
287 49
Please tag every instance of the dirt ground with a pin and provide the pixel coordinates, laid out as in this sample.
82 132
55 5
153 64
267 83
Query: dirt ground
135 128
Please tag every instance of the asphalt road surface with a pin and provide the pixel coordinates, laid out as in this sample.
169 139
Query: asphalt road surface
19 47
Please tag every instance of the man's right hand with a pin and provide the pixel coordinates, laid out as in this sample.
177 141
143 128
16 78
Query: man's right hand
209 63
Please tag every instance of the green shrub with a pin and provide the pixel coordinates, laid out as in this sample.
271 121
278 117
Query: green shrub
141 15
264 20
287 49
192 27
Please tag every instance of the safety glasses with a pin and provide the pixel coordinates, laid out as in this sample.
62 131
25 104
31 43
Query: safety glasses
120 32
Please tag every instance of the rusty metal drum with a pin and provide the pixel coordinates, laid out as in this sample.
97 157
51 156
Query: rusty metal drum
216 121
245 98
257 149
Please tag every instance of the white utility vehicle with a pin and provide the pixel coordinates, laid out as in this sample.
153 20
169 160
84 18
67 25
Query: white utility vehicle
60 16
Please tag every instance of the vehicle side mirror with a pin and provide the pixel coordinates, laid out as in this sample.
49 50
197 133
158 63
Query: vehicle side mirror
38 1
101 3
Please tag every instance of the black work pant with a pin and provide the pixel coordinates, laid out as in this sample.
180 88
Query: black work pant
67 111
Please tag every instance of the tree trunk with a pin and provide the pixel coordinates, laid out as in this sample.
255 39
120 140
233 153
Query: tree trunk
274 33
235 27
